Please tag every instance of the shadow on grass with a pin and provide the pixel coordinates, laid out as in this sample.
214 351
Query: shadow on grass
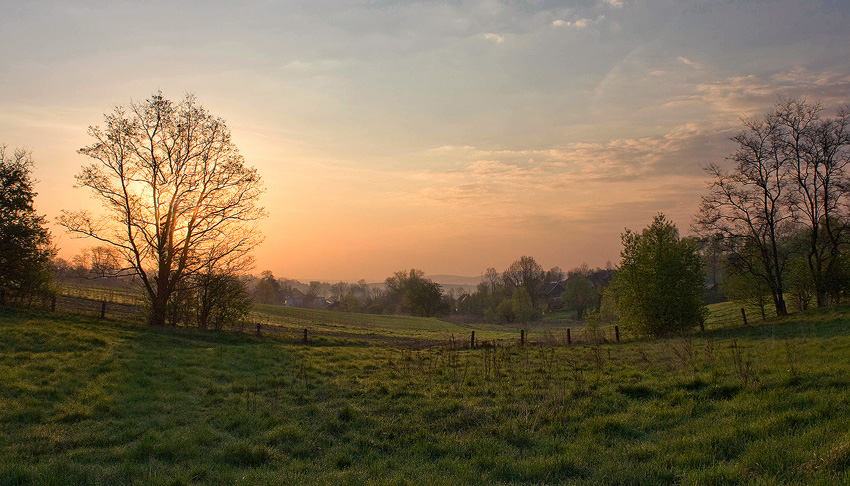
811 324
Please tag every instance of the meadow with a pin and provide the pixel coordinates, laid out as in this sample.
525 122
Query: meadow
91 401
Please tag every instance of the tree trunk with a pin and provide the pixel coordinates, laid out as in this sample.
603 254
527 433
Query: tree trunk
822 298
159 310
779 302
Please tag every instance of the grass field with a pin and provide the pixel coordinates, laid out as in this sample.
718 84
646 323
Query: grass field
98 292
84 401
429 330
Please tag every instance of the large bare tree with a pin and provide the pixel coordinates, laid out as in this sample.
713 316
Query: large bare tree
177 197
745 207
816 152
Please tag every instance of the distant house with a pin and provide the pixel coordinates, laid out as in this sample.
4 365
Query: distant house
461 301
295 298
552 291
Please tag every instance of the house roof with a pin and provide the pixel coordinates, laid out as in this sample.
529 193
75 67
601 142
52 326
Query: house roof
552 288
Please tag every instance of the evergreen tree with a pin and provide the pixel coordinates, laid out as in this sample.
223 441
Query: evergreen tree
25 250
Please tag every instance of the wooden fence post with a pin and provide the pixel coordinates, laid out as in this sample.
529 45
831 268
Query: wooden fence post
617 333
305 335
103 309
258 329
53 304
569 338
472 340
3 297
744 315
522 337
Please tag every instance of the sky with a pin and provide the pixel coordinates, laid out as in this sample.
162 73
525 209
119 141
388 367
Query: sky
445 136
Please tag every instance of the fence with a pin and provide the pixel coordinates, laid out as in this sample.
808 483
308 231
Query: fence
73 304
123 306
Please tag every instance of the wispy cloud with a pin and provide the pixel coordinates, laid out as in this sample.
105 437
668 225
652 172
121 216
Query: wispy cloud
505 177
579 23
693 64
729 98
497 38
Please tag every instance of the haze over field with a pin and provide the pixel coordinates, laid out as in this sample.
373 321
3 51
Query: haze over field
444 136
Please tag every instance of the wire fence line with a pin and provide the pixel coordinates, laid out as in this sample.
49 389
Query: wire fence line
128 306
313 333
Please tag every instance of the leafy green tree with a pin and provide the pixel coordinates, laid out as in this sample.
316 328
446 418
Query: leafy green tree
268 290
608 307
580 294
661 282
505 310
415 294
25 249
522 306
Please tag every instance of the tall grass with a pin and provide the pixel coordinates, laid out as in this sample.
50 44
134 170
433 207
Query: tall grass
85 401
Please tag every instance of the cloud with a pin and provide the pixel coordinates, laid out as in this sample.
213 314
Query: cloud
693 64
596 171
579 23
497 38
613 3
730 98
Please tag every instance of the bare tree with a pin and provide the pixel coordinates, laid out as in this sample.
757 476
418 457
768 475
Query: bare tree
338 290
745 207
527 273
178 198
554 274
492 277
103 261
816 152
583 270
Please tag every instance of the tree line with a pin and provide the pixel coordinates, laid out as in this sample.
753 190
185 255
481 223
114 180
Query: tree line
181 206
405 292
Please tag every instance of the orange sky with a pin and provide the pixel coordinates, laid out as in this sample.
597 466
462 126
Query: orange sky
449 137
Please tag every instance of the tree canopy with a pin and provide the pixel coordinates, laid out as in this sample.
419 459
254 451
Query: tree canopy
579 294
661 281
414 294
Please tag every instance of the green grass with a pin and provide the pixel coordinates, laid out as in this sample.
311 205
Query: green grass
97 292
357 325
298 317
84 401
